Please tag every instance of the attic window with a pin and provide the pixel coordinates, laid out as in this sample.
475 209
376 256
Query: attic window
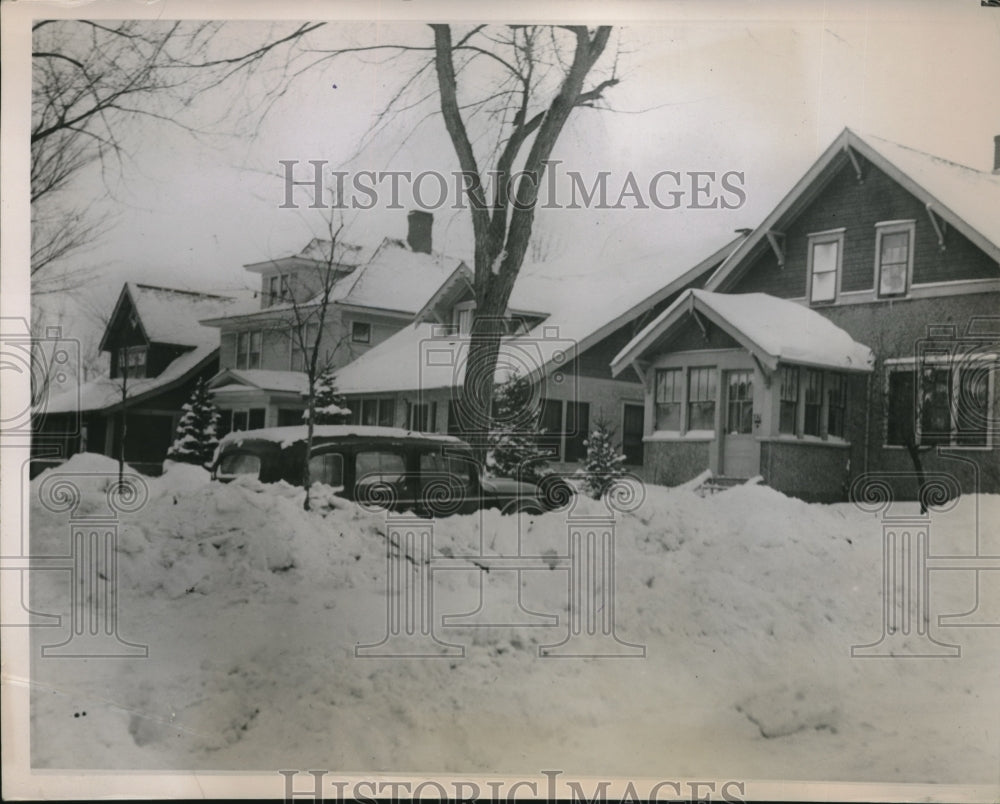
132 362
361 332
893 257
278 288
826 253
461 317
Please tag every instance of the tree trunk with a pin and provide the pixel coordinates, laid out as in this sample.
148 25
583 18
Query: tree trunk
918 468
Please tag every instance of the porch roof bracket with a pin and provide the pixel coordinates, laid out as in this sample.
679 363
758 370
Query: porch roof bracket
764 370
940 226
854 161
640 368
701 324
777 241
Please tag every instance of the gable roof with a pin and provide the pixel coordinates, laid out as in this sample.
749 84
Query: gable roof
317 252
773 330
394 279
105 394
295 382
398 279
585 303
965 198
170 315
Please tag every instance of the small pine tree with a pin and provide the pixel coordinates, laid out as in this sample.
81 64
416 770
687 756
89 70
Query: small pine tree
514 449
196 437
602 464
330 406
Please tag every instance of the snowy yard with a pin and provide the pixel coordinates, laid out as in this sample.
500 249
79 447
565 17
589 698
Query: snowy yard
748 603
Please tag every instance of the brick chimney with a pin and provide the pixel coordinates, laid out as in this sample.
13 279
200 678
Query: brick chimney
418 236
996 154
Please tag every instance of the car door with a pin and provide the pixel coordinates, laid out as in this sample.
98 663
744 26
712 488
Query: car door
446 483
382 479
327 466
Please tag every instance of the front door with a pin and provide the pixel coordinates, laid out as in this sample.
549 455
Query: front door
740 450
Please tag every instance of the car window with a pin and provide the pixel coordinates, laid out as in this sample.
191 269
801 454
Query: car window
380 466
454 468
328 469
239 463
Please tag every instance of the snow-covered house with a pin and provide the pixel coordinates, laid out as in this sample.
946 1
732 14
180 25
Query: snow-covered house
856 324
566 319
158 350
375 293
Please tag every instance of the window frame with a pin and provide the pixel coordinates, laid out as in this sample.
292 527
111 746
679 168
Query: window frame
244 341
678 389
712 372
125 363
818 239
889 228
955 370
311 328
355 338
456 316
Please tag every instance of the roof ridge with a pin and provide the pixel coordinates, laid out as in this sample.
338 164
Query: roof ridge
147 286
935 157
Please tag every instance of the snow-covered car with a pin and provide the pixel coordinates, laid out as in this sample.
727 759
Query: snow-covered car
386 467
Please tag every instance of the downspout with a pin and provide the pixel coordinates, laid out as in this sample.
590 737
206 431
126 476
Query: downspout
868 418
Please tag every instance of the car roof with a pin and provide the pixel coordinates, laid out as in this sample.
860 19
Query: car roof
284 437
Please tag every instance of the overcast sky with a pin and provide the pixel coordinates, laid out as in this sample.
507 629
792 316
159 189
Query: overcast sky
726 87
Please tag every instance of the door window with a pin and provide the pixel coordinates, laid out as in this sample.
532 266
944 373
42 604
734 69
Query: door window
739 418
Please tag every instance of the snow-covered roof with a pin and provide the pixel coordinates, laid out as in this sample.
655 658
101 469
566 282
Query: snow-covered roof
397 278
285 436
585 302
774 330
972 195
168 315
263 379
426 356
318 251
965 198
393 279
105 393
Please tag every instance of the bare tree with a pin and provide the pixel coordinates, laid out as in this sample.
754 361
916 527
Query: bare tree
503 126
535 107
92 77
308 325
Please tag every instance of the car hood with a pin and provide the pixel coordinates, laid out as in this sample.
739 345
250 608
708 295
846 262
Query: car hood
505 487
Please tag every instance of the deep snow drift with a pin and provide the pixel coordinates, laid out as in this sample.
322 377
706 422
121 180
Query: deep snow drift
747 601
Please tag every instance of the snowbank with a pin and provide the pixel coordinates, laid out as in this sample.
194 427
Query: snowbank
747 602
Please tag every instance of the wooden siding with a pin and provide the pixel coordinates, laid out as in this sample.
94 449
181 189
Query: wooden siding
857 207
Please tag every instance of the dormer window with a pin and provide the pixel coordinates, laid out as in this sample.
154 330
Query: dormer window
278 289
132 362
893 257
826 252
461 317
361 332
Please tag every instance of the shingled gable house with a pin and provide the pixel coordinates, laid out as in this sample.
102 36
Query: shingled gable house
158 351
860 316
565 321
262 380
